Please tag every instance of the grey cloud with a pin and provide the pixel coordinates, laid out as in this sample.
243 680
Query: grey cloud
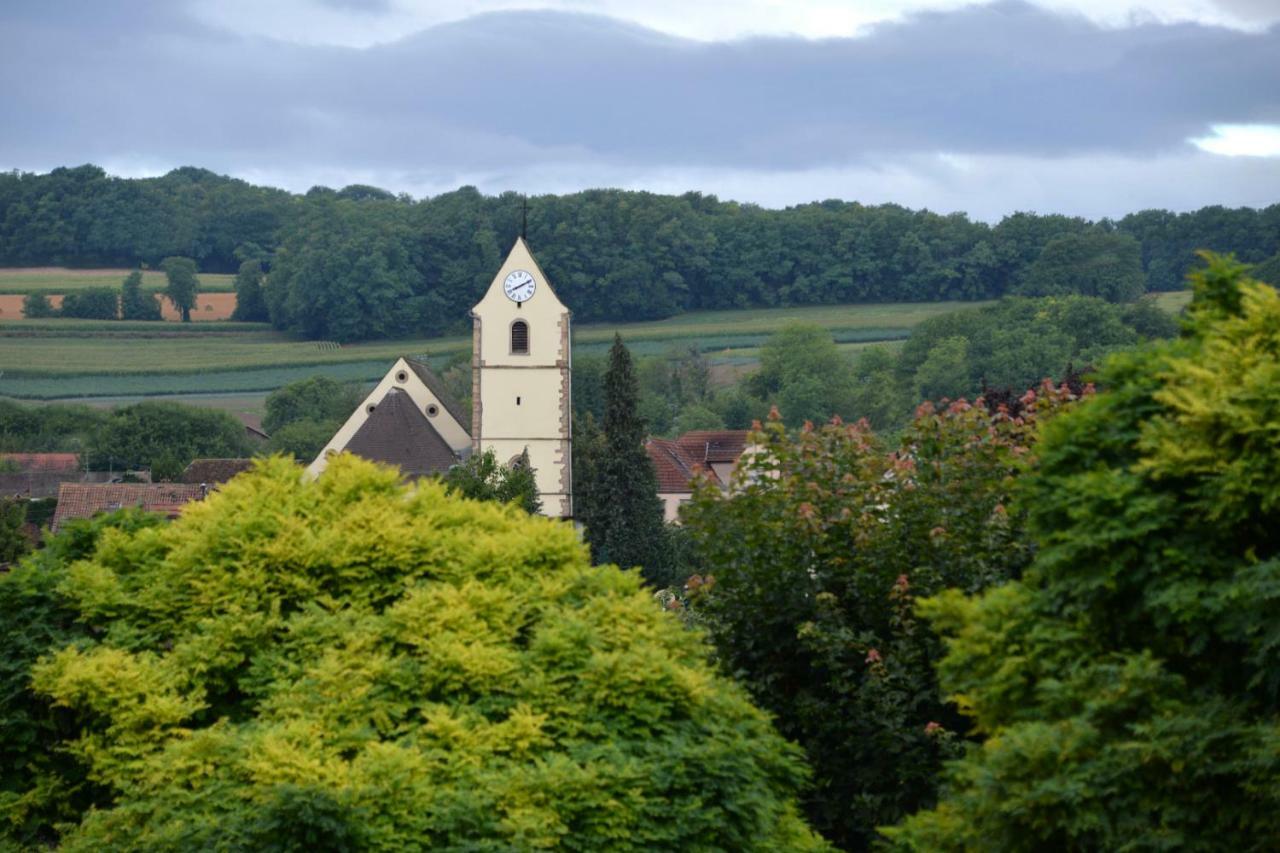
531 90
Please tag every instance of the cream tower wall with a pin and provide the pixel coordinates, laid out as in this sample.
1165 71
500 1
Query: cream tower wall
523 400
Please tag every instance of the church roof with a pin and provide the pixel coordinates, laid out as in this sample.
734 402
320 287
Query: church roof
436 386
396 433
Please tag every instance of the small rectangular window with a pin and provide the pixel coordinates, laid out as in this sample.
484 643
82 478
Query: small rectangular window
517 401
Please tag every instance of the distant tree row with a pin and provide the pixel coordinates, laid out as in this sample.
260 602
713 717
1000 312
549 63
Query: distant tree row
131 302
360 263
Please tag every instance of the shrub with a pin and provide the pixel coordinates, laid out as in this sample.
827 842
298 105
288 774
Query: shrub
36 306
92 303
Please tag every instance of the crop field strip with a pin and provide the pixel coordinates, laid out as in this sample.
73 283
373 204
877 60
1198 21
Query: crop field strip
78 358
59 280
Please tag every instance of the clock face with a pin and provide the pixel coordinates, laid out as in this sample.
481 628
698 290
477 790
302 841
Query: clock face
518 286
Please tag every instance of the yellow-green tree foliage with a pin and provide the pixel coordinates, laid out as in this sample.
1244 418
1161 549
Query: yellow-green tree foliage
361 664
1128 686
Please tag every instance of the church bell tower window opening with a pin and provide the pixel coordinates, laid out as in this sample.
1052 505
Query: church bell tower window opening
519 338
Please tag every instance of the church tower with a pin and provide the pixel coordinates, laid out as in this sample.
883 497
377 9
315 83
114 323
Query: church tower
521 375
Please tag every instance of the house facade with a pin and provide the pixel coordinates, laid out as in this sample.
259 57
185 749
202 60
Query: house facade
680 462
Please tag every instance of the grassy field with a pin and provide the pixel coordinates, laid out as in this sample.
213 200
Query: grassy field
61 280
83 359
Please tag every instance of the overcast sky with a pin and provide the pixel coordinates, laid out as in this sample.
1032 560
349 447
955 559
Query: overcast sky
1090 107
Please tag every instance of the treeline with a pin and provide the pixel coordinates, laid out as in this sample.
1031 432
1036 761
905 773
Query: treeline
361 263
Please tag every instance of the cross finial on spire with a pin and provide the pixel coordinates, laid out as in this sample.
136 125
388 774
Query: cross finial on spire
524 217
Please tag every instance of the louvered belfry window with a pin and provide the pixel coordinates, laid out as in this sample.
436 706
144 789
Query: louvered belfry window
520 337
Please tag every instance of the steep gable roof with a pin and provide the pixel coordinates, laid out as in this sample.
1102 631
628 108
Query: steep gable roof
396 433
675 469
85 500
436 385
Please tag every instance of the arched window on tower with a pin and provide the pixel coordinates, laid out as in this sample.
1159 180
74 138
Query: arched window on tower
520 338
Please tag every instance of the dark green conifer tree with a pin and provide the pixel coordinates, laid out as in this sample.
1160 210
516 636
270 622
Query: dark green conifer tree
618 503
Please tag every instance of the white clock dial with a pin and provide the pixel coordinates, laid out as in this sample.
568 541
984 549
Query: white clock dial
518 286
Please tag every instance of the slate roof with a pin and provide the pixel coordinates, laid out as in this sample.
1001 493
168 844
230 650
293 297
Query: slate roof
396 433
42 463
214 471
85 500
436 386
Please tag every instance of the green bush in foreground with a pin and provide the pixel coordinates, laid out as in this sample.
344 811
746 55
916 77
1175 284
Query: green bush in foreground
1128 687
381 666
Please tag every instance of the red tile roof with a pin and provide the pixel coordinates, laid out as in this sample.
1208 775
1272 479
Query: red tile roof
675 470
85 500
679 462
714 445
40 463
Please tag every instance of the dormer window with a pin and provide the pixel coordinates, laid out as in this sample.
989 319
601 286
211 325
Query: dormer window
519 338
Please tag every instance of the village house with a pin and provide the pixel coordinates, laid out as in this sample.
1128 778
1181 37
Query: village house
680 462
39 475
85 500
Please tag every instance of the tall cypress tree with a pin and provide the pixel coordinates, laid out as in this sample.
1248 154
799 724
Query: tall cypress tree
618 503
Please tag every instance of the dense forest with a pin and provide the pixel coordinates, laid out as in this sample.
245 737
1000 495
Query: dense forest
361 263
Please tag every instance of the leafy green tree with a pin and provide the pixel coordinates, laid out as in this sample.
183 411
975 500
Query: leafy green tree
250 303
135 303
619 504
1108 266
13 538
877 394
697 416
809 568
41 784
302 439
371 665
91 303
804 374
483 478
36 306
1126 685
183 284
1150 322
316 398
1268 271
945 372
56 427
164 437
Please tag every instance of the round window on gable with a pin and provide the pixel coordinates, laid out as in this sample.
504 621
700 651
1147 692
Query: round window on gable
432 410
402 377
